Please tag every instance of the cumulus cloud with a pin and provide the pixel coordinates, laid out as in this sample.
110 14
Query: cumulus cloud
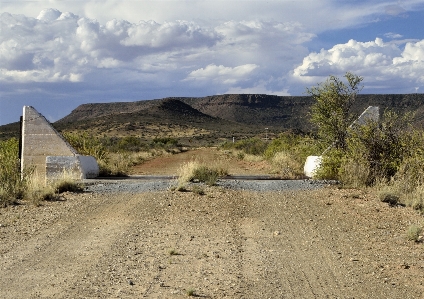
382 64
222 74
58 46
170 34
64 47
343 13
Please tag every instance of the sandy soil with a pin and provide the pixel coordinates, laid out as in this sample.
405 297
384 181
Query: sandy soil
327 243
170 165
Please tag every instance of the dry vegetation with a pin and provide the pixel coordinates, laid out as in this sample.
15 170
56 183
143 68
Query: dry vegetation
194 171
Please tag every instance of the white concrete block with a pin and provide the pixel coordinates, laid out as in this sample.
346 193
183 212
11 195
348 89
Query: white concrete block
311 165
74 167
60 167
89 167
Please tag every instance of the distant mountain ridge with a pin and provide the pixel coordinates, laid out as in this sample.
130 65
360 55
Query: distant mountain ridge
219 114
288 112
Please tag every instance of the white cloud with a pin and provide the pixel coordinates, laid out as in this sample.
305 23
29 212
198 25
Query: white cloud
170 34
49 15
63 47
260 88
413 53
221 74
394 9
314 15
56 45
393 35
381 64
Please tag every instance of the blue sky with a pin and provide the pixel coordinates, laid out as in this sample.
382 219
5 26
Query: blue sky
58 54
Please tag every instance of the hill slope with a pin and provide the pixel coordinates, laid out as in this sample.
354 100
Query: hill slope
220 116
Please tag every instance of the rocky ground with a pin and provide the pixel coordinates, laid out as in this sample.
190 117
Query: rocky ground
320 243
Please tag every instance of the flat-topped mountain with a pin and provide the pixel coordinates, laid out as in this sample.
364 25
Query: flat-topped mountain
213 116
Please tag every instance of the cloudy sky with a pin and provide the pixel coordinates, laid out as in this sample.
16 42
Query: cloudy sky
58 54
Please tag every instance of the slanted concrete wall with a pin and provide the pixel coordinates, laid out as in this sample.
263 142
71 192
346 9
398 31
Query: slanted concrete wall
40 140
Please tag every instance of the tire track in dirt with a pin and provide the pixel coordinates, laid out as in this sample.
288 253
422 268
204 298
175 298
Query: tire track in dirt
47 264
294 258
225 244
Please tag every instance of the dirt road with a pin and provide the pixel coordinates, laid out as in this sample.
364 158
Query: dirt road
170 165
326 243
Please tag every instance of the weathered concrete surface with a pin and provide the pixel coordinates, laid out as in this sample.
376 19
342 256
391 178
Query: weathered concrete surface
40 140
76 167
372 113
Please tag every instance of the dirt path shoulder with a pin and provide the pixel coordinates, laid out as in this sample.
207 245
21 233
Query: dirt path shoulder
325 243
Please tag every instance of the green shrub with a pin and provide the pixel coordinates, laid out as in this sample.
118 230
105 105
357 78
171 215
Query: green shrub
13 184
381 146
251 146
117 164
414 232
353 172
87 145
68 185
375 152
330 165
298 145
165 141
288 154
191 292
332 111
240 155
207 175
287 165
415 198
129 143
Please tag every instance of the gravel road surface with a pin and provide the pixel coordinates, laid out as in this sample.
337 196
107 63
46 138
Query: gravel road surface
157 183
132 239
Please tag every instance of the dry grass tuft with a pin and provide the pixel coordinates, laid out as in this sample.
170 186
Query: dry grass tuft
194 170
286 165
38 191
414 233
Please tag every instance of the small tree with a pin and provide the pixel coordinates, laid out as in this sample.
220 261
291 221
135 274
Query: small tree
331 112
376 150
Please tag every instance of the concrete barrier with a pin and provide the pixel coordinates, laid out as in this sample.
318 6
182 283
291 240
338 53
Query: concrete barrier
74 167
45 149
311 165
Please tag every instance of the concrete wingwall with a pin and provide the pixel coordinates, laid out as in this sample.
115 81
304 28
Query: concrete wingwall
45 149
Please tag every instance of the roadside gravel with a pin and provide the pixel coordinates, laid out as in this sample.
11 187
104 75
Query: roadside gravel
147 185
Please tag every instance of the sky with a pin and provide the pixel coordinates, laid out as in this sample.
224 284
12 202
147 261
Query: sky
58 54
